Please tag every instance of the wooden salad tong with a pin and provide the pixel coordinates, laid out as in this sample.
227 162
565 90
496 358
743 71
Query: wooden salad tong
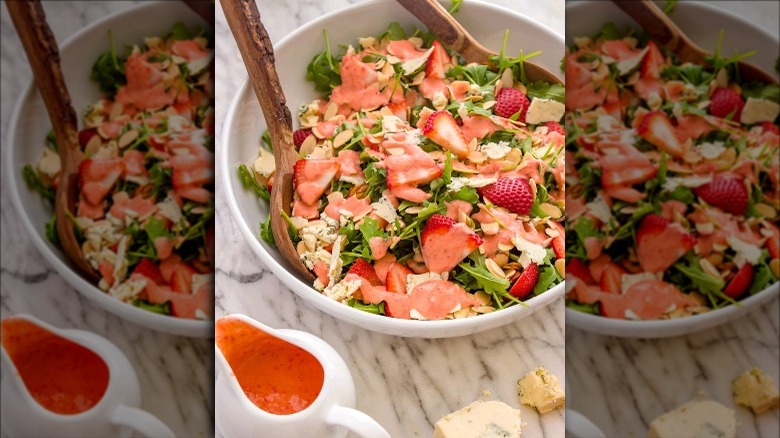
448 30
258 54
662 29
44 57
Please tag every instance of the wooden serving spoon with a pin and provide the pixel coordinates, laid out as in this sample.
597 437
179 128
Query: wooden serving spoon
258 54
448 30
44 57
662 29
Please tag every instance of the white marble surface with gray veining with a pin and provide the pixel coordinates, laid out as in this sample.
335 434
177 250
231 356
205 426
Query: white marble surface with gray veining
175 373
623 384
405 384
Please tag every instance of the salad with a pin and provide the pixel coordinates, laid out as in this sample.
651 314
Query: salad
674 180
146 184
427 188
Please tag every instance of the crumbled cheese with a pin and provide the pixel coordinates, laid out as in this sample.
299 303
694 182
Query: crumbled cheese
544 110
631 315
705 228
495 151
710 151
176 123
413 280
484 419
605 123
696 419
170 209
264 164
459 182
308 109
756 390
529 252
391 123
759 110
541 390
599 208
628 280
196 66
384 209
413 65
746 252
334 269
128 290
50 163
673 182
627 66
343 290
413 136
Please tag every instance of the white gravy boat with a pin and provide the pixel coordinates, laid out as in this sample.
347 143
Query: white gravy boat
331 414
116 414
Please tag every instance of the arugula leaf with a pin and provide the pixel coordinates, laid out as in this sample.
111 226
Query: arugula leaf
250 183
669 6
395 32
545 90
548 276
51 140
376 309
164 308
468 194
701 280
609 32
109 71
455 6
160 178
475 73
762 277
51 231
180 32
593 309
323 70
266 233
34 183
267 140
758 90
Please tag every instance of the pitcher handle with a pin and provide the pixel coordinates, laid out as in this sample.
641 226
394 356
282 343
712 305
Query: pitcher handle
356 421
141 421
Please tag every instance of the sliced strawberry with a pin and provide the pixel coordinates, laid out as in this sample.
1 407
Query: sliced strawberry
442 129
555 127
511 193
150 270
299 136
770 127
445 243
559 247
313 176
364 269
656 128
434 67
729 194
653 62
660 243
85 135
510 101
396 278
741 282
181 281
612 278
577 268
97 177
106 270
525 284
725 102
773 242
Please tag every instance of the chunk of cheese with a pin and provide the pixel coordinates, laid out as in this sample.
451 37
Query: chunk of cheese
696 419
756 390
481 419
541 390
759 110
544 110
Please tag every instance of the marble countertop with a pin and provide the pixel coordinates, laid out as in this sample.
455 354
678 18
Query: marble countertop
623 384
175 373
405 384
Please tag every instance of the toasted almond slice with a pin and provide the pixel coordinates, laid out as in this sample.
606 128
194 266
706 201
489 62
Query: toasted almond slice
505 247
560 266
308 145
501 259
395 151
317 133
413 210
127 138
774 266
488 105
342 138
766 210
494 268
418 78
477 157
491 228
510 273
551 210
709 268
483 297
116 110
92 145
417 41
507 78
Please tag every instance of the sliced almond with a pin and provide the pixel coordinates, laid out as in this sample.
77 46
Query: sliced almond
413 210
127 138
317 133
490 229
395 151
488 105
774 266
551 210
501 259
92 145
308 145
116 110
330 111
709 268
505 247
507 78
342 138
494 268
477 157
766 210
560 266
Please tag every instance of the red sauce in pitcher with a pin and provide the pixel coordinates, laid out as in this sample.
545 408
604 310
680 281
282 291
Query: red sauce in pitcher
62 376
278 377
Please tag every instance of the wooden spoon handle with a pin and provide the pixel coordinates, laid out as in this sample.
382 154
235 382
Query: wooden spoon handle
447 29
653 20
44 57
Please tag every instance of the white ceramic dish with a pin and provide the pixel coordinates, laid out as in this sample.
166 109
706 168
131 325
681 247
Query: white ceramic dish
701 23
244 125
579 426
30 123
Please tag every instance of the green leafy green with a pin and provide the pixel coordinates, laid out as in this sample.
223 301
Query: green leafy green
109 71
376 309
758 90
455 6
160 178
34 183
545 90
486 280
51 231
266 233
164 308
267 140
669 6
323 70
250 183
395 32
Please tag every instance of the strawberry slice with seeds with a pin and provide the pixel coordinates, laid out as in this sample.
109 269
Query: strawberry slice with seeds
364 269
312 177
729 194
612 278
97 177
741 282
525 284
656 128
660 243
577 268
773 242
148 269
726 102
181 281
513 194
445 243
444 131
434 67
396 278
555 127
510 101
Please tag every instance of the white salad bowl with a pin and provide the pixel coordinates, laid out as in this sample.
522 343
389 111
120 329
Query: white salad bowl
244 126
702 23
30 124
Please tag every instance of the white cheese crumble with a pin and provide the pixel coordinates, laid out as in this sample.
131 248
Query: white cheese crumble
264 164
759 110
673 182
710 151
343 290
599 208
746 252
459 182
495 151
384 209
529 252
544 110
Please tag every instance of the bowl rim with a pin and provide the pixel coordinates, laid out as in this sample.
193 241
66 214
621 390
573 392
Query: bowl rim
688 324
126 311
309 294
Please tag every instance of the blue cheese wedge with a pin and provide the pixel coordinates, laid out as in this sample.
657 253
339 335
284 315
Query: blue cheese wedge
541 390
756 390
481 419
544 110
696 419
